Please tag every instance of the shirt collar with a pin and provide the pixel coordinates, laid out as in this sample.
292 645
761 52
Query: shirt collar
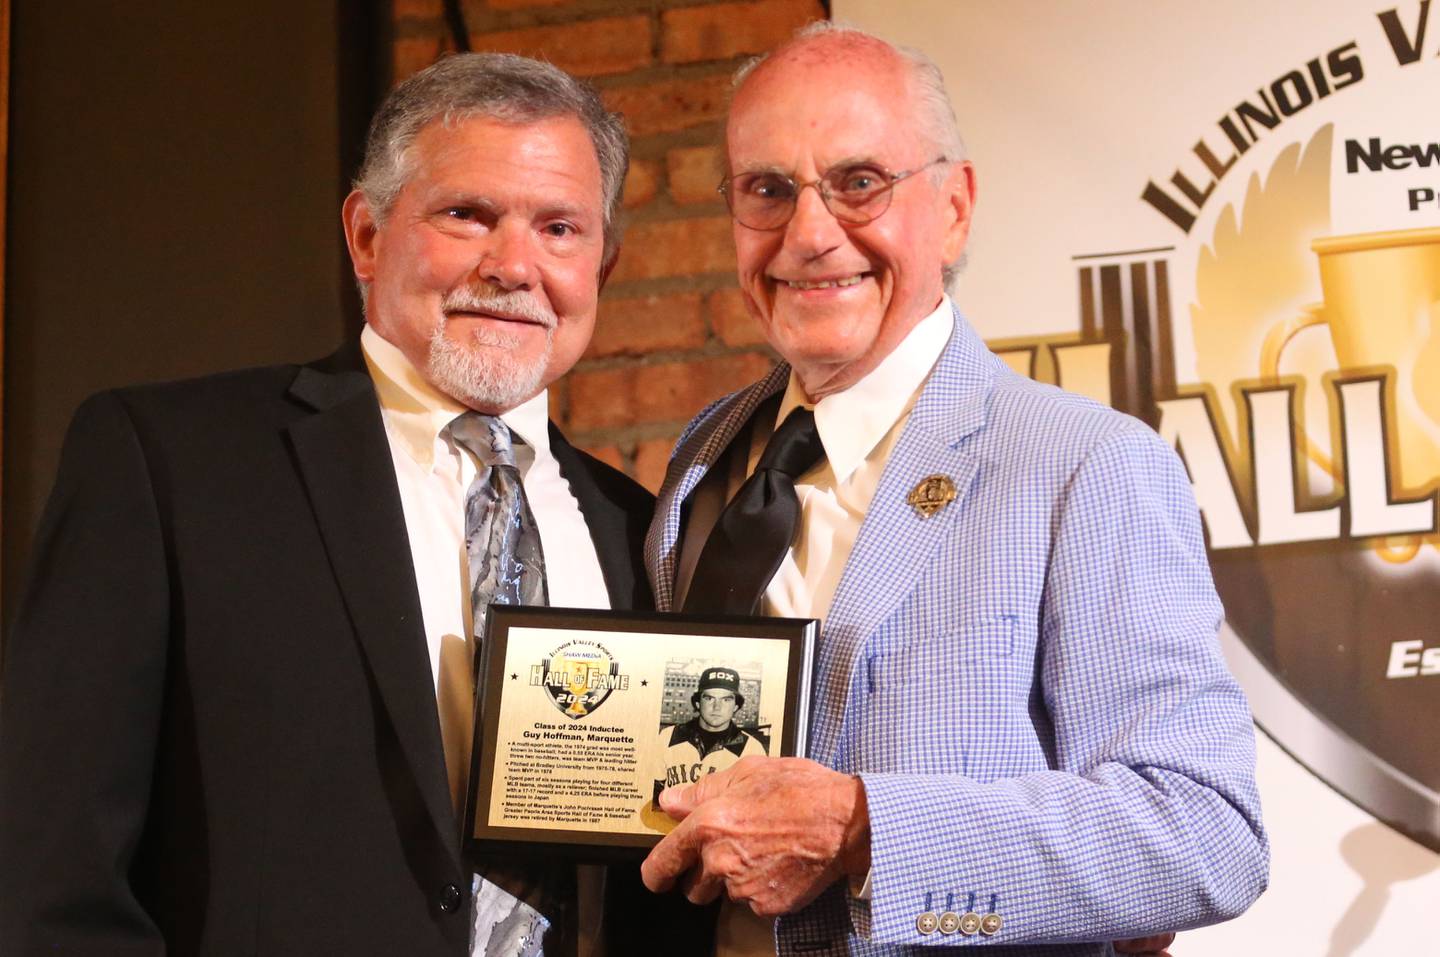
851 423
417 412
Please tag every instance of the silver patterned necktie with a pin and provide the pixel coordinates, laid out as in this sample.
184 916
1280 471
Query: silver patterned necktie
502 543
507 567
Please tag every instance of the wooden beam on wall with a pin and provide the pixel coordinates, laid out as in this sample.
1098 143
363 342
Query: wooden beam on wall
4 181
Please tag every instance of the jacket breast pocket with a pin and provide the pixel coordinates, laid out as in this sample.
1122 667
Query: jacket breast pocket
936 703
940 661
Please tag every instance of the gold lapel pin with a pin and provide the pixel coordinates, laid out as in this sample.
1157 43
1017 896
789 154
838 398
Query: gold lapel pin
931 495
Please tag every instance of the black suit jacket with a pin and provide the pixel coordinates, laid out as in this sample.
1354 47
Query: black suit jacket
218 731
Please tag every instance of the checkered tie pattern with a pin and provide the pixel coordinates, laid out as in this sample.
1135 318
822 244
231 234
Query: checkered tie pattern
507 567
754 531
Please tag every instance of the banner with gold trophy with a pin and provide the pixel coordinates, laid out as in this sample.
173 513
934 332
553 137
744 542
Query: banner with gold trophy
1224 219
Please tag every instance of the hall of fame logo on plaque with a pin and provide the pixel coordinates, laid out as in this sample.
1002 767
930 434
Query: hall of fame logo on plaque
578 676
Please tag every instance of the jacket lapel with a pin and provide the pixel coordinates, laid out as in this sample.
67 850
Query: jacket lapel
697 450
895 541
344 461
617 532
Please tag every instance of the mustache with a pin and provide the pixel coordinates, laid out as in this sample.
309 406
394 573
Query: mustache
514 304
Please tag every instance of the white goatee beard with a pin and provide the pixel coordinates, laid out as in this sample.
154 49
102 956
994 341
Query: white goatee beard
485 372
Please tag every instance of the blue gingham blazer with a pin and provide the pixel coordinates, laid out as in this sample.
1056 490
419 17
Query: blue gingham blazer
1028 682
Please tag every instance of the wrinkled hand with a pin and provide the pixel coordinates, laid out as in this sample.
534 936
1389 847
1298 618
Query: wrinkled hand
773 832
1148 946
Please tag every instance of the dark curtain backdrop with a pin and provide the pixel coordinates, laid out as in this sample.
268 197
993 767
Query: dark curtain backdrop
175 173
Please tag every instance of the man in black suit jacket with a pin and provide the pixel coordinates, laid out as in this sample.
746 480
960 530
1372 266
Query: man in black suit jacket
220 731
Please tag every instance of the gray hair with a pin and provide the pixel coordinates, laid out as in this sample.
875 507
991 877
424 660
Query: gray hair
502 86
934 112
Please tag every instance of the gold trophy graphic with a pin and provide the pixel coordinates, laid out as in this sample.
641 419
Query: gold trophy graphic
1382 309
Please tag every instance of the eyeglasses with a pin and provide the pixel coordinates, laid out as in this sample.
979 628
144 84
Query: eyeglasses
855 193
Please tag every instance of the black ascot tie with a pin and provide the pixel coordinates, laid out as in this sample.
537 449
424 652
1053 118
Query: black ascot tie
755 530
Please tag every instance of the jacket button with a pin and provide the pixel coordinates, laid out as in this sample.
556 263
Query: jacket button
449 898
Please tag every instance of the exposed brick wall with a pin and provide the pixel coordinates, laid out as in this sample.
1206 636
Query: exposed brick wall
673 332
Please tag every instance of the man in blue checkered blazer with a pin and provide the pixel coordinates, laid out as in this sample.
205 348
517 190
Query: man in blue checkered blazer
1022 731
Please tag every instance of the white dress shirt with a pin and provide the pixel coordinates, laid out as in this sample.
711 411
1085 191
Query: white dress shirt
858 428
433 474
